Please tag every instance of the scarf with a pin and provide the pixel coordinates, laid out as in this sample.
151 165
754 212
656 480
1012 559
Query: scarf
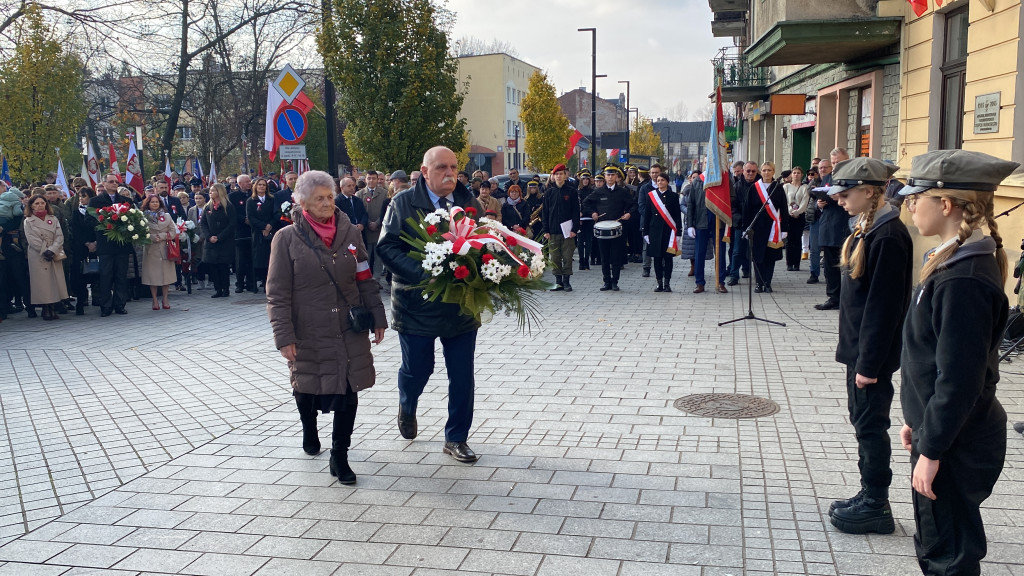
512 202
325 231
41 214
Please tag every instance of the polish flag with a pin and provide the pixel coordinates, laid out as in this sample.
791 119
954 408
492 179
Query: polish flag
92 167
113 162
574 139
363 271
167 170
133 175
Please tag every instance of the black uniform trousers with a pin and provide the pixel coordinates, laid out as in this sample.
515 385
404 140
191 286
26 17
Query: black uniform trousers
833 279
950 538
869 414
662 264
794 238
113 281
244 278
613 255
585 242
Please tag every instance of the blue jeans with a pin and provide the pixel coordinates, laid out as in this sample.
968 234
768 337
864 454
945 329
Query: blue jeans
815 256
701 256
740 255
418 365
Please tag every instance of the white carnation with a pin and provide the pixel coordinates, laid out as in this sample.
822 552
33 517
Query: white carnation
442 214
131 228
135 236
432 219
436 272
124 218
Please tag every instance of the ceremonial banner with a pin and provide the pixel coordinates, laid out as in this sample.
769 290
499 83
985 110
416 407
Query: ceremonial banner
716 177
133 174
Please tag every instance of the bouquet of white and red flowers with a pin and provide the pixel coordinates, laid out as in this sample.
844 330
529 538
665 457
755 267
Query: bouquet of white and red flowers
187 230
483 267
122 223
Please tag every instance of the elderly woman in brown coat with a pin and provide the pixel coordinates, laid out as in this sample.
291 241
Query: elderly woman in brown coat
45 256
318 273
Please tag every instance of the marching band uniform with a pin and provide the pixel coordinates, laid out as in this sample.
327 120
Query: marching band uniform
586 236
611 203
950 369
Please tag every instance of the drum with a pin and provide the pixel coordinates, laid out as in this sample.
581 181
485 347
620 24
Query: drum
607 230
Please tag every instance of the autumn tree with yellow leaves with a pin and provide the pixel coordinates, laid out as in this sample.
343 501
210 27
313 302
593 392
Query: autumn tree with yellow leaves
547 129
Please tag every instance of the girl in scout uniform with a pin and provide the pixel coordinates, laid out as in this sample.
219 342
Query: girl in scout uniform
877 264
955 427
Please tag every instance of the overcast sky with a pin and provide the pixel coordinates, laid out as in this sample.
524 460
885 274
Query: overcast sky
663 47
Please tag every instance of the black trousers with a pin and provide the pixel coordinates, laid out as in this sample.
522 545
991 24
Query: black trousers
113 281
765 271
950 538
833 280
794 239
869 414
243 265
585 242
662 265
16 277
613 255
221 276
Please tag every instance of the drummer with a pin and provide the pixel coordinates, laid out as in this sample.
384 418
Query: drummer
611 203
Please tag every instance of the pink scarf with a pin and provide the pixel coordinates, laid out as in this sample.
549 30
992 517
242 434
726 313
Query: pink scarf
325 231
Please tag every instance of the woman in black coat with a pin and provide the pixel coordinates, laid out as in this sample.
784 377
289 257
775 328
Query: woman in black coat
219 232
765 251
259 209
81 245
515 212
658 233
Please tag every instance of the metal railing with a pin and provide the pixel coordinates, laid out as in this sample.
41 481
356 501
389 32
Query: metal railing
735 72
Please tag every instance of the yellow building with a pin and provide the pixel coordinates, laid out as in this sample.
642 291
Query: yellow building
497 85
959 89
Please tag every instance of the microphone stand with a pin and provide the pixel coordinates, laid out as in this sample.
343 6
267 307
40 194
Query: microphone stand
749 235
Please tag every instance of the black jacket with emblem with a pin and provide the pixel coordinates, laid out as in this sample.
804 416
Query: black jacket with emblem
411 314
873 306
610 204
560 205
950 362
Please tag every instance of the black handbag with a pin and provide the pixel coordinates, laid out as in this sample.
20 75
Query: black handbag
359 317
90 266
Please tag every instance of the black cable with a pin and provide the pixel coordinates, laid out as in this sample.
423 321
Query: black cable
797 322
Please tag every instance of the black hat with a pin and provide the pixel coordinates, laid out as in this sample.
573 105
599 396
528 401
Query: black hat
957 170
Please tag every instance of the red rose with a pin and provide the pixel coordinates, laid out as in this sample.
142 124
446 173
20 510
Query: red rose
101 217
110 226
431 229
487 258
511 241
471 211
523 271
461 272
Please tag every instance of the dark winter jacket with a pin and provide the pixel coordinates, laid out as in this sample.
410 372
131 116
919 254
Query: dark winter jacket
610 204
950 362
411 314
219 223
873 306
560 205
696 205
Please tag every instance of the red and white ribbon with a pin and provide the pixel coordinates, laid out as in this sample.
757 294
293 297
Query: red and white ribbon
465 236
673 237
776 235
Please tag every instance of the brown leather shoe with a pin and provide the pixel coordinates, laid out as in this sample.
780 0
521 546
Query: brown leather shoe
698 289
721 289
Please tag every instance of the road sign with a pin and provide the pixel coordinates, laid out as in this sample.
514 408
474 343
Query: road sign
291 124
292 152
289 83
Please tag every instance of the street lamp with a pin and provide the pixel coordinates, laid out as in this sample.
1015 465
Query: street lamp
626 82
593 91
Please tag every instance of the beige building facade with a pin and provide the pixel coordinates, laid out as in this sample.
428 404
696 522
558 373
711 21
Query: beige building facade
497 85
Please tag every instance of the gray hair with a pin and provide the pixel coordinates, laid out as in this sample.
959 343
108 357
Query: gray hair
310 181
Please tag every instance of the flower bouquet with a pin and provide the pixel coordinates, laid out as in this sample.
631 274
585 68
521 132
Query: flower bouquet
285 215
122 223
187 231
483 267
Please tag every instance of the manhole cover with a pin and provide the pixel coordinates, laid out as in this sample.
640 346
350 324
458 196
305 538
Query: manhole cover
726 405
249 302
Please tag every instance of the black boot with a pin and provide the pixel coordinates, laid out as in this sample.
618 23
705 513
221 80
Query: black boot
310 434
847 502
661 285
558 283
647 272
47 312
60 308
31 310
565 282
668 279
865 515
80 307
341 439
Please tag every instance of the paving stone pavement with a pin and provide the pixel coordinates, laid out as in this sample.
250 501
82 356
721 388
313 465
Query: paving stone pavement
167 443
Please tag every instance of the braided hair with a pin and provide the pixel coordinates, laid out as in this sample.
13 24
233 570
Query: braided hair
977 208
853 258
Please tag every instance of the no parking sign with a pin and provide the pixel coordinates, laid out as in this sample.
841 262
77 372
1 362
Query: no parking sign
291 124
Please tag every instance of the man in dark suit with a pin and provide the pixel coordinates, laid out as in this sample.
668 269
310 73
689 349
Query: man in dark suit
171 203
352 205
420 323
113 256
244 279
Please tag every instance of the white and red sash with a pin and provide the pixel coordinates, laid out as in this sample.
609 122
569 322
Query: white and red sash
776 236
673 237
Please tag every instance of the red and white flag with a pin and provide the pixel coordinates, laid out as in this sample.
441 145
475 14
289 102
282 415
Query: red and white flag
574 139
716 183
133 174
92 167
167 170
113 162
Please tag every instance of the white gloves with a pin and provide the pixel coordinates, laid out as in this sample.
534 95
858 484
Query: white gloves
647 239
691 232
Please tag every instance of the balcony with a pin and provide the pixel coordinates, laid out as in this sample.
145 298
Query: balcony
728 24
797 42
741 82
729 5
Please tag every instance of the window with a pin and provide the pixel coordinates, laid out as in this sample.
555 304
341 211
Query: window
185 132
954 80
864 130
508 127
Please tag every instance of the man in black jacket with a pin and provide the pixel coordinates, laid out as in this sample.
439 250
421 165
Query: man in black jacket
244 279
611 202
113 255
418 322
741 191
352 205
